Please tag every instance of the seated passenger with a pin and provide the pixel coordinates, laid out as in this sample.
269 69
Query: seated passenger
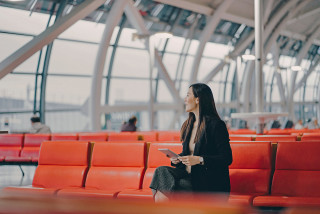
299 125
203 165
37 126
313 124
130 126
289 124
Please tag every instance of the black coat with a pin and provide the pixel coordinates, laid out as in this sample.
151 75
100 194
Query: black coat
214 147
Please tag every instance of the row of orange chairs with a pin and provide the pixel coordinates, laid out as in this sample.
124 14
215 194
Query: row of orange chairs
25 148
124 170
276 138
274 131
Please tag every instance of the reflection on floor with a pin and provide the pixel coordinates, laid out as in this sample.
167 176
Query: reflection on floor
12 176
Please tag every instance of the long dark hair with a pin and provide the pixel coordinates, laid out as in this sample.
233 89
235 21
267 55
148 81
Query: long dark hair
207 109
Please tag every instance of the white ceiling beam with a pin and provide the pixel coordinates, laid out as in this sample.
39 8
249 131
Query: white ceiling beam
237 19
112 21
275 53
214 72
246 41
47 36
281 25
163 73
306 75
303 52
205 36
304 15
268 8
298 36
135 18
187 5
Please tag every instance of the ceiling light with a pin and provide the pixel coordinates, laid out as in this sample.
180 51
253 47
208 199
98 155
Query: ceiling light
248 57
296 68
163 35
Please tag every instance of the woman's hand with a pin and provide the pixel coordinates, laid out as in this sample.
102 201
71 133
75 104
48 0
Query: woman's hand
190 160
175 160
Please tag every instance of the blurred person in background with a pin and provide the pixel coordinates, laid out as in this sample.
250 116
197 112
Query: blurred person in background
313 123
130 126
37 126
299 125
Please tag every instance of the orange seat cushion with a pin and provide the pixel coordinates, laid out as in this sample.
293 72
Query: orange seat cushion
92 193
284 201
30 190
145 194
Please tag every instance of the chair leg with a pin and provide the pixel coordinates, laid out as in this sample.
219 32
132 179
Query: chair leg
21 170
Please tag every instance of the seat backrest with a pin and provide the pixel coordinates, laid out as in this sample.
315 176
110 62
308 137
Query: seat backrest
117 166
278 132
93 136
297 170
276 138
171 141
123 136
310 137
64 136
240 137
148 136
62 165
251 167
169 136
35 139
242 131
9 140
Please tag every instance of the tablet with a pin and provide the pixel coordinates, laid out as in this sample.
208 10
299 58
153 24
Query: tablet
169 153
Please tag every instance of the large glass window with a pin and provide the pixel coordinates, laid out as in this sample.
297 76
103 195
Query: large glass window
131 63
72 58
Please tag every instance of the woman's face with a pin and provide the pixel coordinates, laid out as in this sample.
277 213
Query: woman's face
191 102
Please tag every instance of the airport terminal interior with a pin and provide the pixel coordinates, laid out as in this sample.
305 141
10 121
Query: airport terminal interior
82 69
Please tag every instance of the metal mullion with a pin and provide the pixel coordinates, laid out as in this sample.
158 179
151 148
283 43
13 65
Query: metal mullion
46 67
38 65
108 77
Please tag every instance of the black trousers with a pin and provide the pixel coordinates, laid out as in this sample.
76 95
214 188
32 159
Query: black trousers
168 179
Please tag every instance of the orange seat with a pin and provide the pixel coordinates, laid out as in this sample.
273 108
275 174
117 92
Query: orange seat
278 132
64 136
178 142
123 136
93 136
275 138
250 171
148 136
31 145
241 137
61 165
114 167
10 146
311 136
242 131
169 136
155 159
296 177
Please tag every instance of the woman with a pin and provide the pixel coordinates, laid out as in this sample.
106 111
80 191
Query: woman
206 154
130 126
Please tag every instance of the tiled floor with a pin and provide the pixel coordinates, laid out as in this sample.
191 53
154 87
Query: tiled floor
10 175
